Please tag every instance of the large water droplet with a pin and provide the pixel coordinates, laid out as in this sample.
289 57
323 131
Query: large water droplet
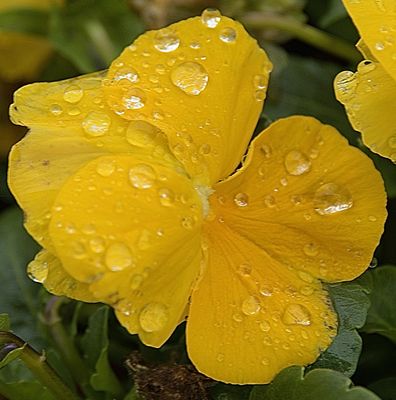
38 269
366 66
296 314
134 99
126 74
241 199
228 35
297 163
153 317
118 257
331 198
345 83
73 94
251 305
190 77
96 123
165 40
142 176
211 17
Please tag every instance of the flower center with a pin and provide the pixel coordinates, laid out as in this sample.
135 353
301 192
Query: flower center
204 192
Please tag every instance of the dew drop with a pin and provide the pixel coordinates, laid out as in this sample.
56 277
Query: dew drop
241 199
296 314
166 197
245 269
190 77
331 198
78 250
260 81
56 109
188 222
297 163
251 305
73 94
140 133
134 99
266 151
266 291
265 326
259 95
270 201
220 357
118 257
38 269
366 66
379 46
228 35
373 263
136 281
311 249
165 40
306 290
305 276
96 124
345 83
105 168
142 176
392 142
126 74
97 245
153 317
211 17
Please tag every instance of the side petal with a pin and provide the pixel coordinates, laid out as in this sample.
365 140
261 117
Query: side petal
47 269
203 82
375 23
64 135
129 226
368 96
311 201
250 317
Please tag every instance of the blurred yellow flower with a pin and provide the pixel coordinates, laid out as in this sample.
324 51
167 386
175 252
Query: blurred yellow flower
22 55
127 182
370 93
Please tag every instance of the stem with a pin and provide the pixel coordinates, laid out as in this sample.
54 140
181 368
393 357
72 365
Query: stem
308 34
64 343
37 364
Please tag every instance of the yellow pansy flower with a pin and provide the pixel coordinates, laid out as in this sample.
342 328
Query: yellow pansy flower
127 182
22 55
369 94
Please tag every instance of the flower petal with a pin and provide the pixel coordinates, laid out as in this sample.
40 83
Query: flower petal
130 227
250 316
375 23
368 96
203 82
58 143
306 197
47 269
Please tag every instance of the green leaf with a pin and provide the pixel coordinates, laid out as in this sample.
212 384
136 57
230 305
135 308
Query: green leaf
323 384
4 322
386 388
335 12
381 316
132 395
18 295
351 303
25 391
92 33
9 353
29 21
96 344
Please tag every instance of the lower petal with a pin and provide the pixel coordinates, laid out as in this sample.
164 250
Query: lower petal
250 317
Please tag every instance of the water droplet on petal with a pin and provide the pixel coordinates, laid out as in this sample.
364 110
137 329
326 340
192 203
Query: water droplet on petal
379 46
331 198
105 168
251 305
126 74
165 40
245 269
259 95
373 263
265 326
228 35
260 81
266 291
134 99
366 66
73 94
118 257
345 83
296 314
311 249
166 197
38 269
392 142
142 176
241 199
96 123
297 163
97 245
153 317
188 222
190 77
211 17
270 201
220 357
266 151
56 109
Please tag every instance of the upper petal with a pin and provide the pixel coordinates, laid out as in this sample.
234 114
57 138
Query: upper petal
368 96
202 81
129 227
375 22
306 197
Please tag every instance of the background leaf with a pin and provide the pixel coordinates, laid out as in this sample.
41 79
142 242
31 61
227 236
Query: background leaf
4 322
323 384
